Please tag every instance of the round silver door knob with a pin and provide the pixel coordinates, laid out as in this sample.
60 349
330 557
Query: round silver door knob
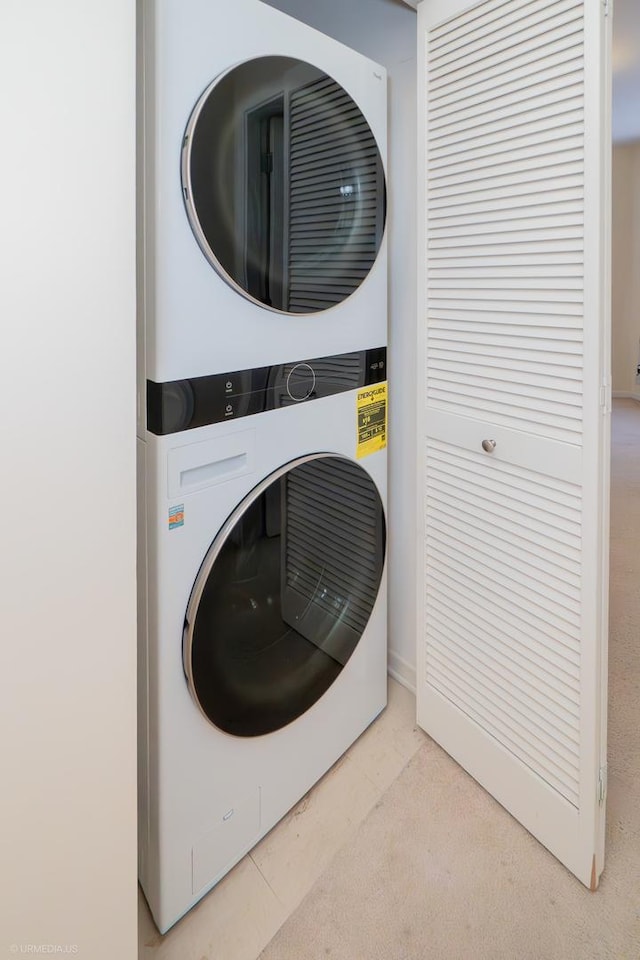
488 446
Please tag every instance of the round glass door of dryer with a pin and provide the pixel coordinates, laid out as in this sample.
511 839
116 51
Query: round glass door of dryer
283 185
284 595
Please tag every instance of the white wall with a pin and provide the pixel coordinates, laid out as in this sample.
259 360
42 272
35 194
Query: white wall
625 305
67 389
385 30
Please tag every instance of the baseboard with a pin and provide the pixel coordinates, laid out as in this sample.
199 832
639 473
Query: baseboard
402 671
625 395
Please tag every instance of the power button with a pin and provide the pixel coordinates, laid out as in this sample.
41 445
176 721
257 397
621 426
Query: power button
301 382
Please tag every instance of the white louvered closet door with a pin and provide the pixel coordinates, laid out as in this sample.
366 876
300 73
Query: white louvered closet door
514 419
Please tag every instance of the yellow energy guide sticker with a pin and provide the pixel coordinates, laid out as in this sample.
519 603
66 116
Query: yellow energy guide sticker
371 407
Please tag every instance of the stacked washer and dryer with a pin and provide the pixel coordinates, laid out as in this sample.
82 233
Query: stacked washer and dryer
262 427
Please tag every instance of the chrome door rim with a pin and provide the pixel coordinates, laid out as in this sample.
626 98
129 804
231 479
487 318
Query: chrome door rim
192 213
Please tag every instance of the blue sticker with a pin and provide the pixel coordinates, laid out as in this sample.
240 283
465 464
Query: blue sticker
176 516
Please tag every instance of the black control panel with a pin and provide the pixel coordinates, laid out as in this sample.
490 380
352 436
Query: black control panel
186 404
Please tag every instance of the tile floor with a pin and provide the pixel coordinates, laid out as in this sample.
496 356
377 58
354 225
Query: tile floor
237 919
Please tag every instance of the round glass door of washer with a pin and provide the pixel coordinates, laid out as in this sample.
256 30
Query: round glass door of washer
283 185
284 595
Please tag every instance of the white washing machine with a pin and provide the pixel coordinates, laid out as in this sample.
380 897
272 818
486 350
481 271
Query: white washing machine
263 613
262 188
262 425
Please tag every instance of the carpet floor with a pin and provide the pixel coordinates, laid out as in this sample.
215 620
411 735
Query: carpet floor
440 870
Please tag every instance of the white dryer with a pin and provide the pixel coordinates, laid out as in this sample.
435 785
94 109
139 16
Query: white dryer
263 609
263 147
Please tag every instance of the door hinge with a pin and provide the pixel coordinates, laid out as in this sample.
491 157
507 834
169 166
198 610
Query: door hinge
602 785
607 4
605 395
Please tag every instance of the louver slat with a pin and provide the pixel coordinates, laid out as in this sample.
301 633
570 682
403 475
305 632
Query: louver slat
540 192
504 527
332 551
316 185
331 544
549 648
335 196
508 69
503 37
499 135
479 567
547 133
493 19
556 65
504 347
326 166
